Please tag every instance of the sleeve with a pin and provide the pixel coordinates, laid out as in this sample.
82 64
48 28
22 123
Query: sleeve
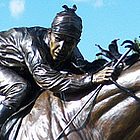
10 53
59 82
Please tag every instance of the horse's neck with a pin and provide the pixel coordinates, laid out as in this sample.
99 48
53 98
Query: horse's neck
130 78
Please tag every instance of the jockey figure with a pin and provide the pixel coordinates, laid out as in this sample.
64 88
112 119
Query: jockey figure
45 58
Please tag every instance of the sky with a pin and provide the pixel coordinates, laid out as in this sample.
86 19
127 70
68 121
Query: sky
103 20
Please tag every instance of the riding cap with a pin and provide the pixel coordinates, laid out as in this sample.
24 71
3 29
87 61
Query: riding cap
67 23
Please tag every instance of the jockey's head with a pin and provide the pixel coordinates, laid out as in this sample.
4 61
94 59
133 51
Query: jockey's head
65 34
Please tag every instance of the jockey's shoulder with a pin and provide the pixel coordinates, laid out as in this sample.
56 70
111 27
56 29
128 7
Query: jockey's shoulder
25 30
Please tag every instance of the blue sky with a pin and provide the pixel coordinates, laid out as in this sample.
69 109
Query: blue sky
103 20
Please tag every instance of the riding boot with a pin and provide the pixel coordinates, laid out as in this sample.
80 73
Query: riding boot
5 113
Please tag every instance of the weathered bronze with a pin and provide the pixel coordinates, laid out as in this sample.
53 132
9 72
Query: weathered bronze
35 59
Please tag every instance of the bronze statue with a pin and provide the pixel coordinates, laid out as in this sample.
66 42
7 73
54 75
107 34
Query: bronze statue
38 58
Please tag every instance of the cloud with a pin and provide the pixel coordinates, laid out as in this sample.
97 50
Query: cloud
98 3
16 7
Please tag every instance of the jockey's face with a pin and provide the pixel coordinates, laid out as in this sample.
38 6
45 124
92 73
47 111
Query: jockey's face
61 46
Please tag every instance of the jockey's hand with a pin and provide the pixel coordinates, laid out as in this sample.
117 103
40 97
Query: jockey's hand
103 76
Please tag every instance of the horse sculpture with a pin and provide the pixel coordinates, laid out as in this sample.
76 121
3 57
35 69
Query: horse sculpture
115 116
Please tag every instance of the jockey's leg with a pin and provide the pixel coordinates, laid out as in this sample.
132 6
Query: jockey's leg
15 89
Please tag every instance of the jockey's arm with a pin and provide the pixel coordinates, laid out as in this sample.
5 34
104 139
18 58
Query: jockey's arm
44 76
58 82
